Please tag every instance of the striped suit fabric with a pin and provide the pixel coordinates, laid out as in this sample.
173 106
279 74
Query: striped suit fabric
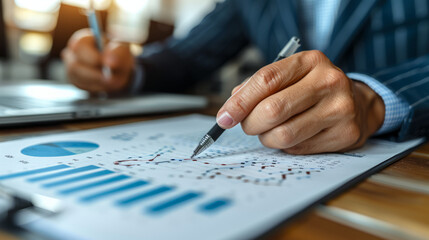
385 39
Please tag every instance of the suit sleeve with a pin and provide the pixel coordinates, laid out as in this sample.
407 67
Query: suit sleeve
410 82
179 63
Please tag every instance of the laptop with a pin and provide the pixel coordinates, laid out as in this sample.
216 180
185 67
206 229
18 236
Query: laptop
38 101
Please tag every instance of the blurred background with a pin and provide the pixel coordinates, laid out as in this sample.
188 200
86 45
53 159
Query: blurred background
33 33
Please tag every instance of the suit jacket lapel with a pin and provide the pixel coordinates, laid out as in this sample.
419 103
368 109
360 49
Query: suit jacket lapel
351 18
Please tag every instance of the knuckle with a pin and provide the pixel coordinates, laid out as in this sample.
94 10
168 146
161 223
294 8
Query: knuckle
285 136
334 78
314 56
346 108
267 77
272 110
343 108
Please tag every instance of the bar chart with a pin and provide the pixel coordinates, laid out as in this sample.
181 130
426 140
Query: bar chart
46 178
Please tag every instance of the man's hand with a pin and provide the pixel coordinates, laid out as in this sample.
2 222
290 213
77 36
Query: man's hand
84 63
303 105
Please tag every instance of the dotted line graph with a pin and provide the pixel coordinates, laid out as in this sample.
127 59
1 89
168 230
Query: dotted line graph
259 170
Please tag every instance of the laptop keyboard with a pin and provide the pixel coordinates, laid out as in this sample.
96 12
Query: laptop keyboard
14 102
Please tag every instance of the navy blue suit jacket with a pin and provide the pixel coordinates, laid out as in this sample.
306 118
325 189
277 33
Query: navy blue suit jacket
386 39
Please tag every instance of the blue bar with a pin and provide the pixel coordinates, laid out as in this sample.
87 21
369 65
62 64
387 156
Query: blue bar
173 203
64 173
76 179
93 185
144 195
113 191
30 172
215 205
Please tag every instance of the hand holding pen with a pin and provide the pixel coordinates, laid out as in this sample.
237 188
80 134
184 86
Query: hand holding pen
225 119
303 104
88 68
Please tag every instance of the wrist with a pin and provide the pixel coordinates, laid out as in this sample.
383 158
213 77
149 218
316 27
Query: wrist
372 107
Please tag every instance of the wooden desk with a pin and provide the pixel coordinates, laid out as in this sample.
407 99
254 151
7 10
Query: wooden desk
393 204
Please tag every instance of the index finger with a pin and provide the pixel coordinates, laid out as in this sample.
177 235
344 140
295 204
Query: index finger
267 81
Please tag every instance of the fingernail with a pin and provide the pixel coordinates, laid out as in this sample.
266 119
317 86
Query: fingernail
225 120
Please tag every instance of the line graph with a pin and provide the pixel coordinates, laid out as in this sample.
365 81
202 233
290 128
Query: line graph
221 163
145 158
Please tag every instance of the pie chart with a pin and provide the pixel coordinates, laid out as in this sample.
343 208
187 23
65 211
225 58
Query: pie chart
59 149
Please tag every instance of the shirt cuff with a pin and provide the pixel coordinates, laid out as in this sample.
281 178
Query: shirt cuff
137 80
396 109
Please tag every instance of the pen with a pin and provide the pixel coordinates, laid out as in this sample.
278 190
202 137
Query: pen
216 130
95 25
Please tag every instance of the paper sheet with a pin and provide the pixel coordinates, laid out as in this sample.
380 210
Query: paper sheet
136 181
